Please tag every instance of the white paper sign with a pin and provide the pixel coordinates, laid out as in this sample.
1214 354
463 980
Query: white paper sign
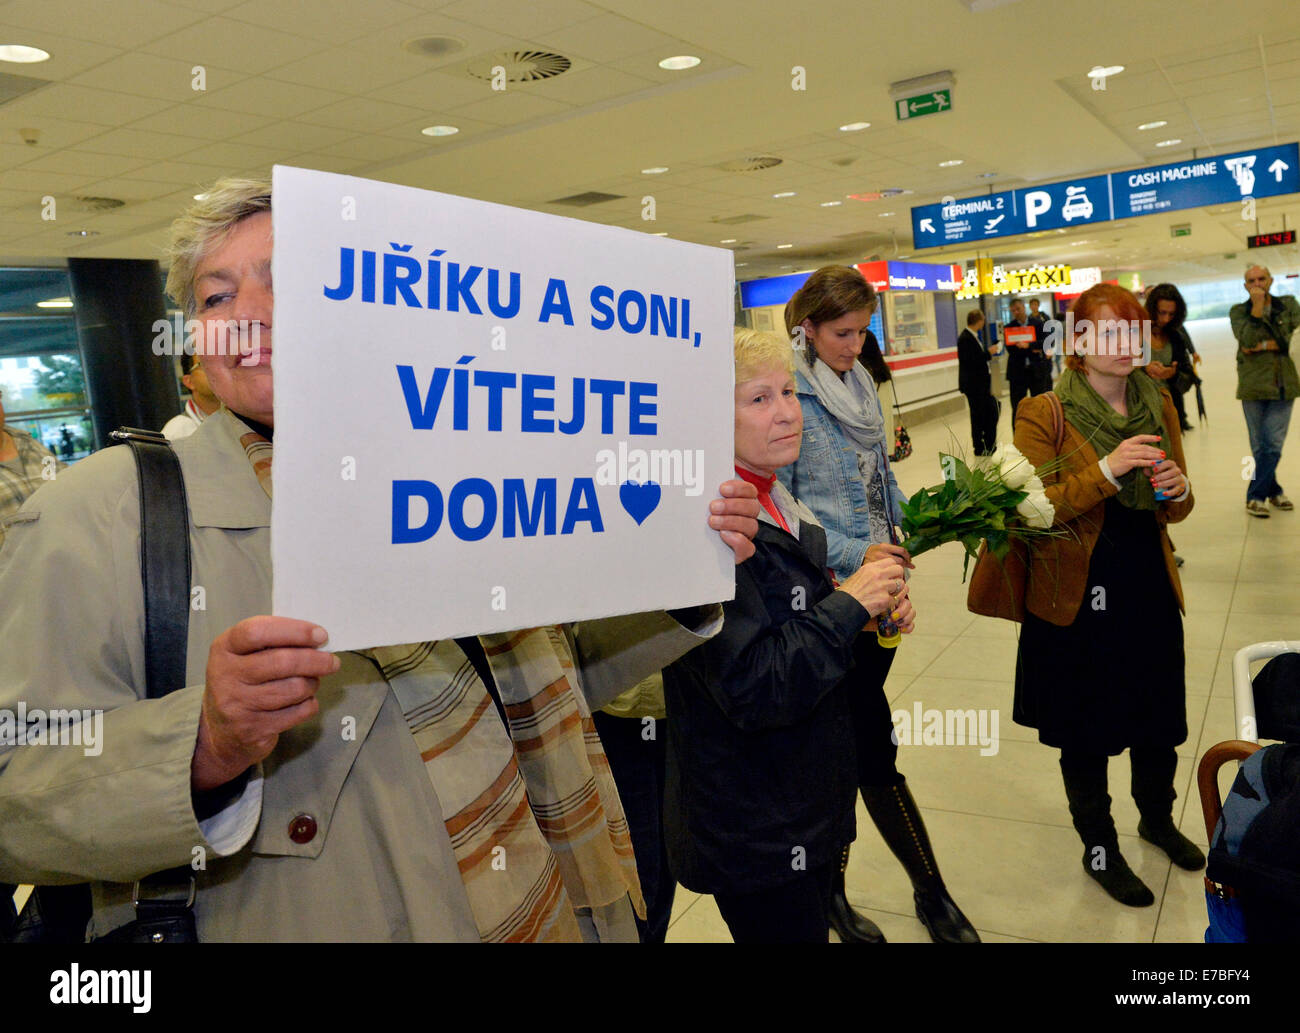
488 418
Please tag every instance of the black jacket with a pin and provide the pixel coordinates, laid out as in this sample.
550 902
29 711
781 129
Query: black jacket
761 759
1020 361
973 376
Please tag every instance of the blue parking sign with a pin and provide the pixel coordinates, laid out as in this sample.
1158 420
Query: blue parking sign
1072 203
1196 183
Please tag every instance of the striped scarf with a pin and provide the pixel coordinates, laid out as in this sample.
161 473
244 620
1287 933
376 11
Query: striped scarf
531 808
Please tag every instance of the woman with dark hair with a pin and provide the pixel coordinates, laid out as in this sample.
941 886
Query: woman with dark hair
842 474
1102 596
873 358
1172 353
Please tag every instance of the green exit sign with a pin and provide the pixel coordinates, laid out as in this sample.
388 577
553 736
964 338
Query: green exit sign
1181 230
923 104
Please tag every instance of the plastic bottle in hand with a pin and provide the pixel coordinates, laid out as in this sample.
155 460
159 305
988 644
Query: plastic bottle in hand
887 631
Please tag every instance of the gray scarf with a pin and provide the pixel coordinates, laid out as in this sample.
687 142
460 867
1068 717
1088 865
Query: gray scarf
852 401
855 406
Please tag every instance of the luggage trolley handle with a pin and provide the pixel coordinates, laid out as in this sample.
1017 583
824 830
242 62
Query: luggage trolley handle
1243 694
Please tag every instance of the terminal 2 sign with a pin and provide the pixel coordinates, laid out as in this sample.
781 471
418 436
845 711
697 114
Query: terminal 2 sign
1267 172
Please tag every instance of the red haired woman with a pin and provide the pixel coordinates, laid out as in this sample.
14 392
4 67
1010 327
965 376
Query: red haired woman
1099 597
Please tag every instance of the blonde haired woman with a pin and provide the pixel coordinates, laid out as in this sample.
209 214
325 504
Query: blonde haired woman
761 759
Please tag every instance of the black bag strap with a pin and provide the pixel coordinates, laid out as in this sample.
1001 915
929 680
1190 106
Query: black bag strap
164 558
165 575
60 914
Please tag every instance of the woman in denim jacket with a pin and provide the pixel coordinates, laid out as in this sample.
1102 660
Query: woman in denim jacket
843 476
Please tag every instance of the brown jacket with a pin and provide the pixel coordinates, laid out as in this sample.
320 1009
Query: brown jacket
1058 570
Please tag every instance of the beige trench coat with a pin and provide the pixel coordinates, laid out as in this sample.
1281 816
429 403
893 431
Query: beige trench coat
380 866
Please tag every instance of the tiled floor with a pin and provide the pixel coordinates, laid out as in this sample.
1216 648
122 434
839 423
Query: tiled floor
999 823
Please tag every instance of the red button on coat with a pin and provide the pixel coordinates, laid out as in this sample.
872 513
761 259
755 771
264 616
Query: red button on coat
302 829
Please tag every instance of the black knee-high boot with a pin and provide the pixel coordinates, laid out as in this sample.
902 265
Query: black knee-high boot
849 926
899 821
1153 792
1086 790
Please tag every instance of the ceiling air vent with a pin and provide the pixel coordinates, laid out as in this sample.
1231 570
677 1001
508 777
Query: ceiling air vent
589 198
97 204
766 161
520 65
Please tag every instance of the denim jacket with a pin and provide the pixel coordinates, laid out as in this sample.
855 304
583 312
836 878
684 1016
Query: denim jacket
825 478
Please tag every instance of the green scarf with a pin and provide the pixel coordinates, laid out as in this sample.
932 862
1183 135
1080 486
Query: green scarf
1093 417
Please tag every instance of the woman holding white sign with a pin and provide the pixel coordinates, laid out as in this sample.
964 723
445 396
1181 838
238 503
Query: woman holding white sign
760 788
843 475
449 790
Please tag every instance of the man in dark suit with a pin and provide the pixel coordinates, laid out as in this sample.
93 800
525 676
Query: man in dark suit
976 383
1025 361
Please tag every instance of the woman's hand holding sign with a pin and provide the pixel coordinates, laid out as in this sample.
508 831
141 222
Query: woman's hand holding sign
263 672
262 678
735 516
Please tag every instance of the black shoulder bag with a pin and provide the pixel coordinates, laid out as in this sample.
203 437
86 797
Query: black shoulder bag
60 914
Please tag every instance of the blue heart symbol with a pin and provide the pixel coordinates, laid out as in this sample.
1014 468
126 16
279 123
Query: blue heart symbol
640 500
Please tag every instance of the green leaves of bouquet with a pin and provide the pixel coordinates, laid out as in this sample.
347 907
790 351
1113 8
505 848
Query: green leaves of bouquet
997 498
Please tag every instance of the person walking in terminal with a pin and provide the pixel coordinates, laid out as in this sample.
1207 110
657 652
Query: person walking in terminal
761 753
976 383
842 474
458 749
1266 382
1167 311
1105 593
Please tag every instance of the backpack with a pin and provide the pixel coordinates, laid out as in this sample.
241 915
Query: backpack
1255 852
60 914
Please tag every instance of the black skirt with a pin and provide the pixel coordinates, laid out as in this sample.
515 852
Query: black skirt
1114 678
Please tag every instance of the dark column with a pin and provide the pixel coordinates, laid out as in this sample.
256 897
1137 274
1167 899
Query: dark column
117 301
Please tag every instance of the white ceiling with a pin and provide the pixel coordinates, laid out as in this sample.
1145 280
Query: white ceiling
326 84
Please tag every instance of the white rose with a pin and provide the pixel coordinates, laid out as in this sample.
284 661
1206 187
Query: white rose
1034 484
1037 510
1014 469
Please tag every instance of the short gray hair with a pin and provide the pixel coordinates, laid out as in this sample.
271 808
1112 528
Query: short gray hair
1256 265
204 225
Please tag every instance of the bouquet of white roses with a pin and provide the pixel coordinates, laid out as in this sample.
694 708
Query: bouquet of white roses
998 498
